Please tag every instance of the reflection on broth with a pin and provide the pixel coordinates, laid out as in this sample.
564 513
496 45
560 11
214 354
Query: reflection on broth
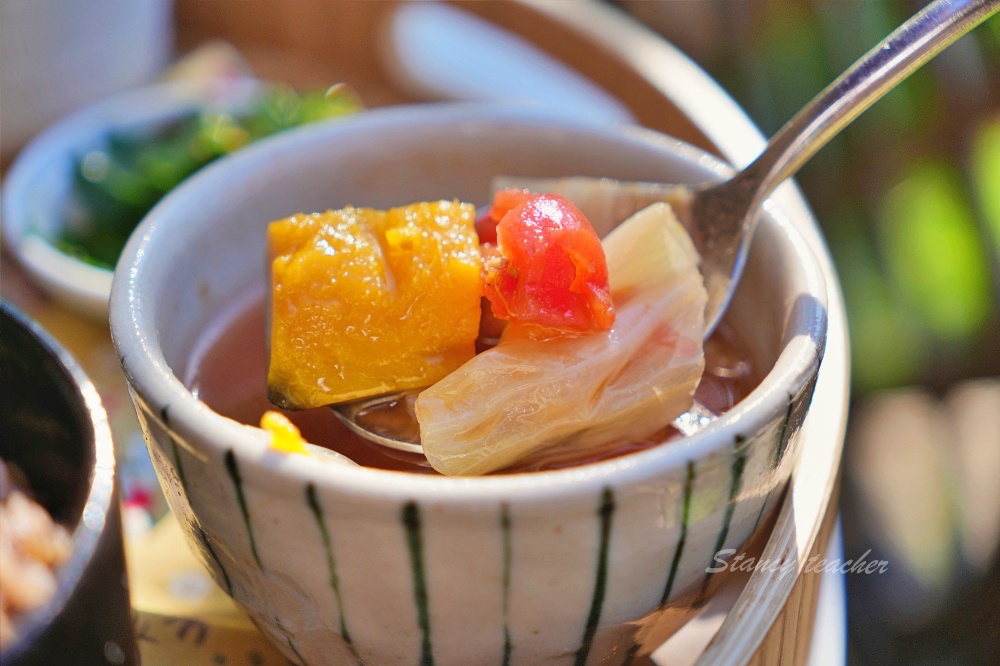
228 369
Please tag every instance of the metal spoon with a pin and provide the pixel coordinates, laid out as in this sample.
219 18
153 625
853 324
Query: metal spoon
722 217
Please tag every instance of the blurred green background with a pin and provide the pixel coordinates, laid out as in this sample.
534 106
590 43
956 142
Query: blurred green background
909 200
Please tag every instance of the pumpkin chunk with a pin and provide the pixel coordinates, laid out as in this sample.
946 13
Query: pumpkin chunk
365 301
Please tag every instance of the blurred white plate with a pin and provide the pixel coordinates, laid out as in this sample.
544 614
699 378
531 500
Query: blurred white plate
38 186
437 51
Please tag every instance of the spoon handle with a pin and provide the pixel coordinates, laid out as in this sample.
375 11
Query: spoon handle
908 48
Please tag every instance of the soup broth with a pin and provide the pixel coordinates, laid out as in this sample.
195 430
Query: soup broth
228 371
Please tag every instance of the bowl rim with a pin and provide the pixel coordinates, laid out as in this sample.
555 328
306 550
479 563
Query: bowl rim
101 497
147 371
80 285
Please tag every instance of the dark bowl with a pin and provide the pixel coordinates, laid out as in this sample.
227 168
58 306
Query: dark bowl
54 428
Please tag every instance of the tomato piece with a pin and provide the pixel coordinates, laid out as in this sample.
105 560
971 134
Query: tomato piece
503 201
486 229
551 270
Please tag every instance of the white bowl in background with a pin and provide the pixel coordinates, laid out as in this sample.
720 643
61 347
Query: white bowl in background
38 186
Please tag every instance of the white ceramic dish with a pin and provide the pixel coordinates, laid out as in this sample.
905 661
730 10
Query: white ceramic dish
337 563
38 185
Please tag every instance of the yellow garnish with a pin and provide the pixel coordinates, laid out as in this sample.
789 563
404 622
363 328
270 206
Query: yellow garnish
284 435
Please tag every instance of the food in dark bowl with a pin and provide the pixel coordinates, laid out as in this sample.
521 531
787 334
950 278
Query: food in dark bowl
32 548
59 458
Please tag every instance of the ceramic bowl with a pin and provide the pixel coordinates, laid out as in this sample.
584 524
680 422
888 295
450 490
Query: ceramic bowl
37 193
54 429
342 564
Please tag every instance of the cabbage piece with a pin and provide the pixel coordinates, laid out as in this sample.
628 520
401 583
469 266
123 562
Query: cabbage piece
527 395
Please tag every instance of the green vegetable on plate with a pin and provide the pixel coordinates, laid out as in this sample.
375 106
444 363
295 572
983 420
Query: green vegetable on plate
116 185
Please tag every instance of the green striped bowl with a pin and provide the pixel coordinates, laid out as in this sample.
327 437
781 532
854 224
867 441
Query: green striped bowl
340 564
